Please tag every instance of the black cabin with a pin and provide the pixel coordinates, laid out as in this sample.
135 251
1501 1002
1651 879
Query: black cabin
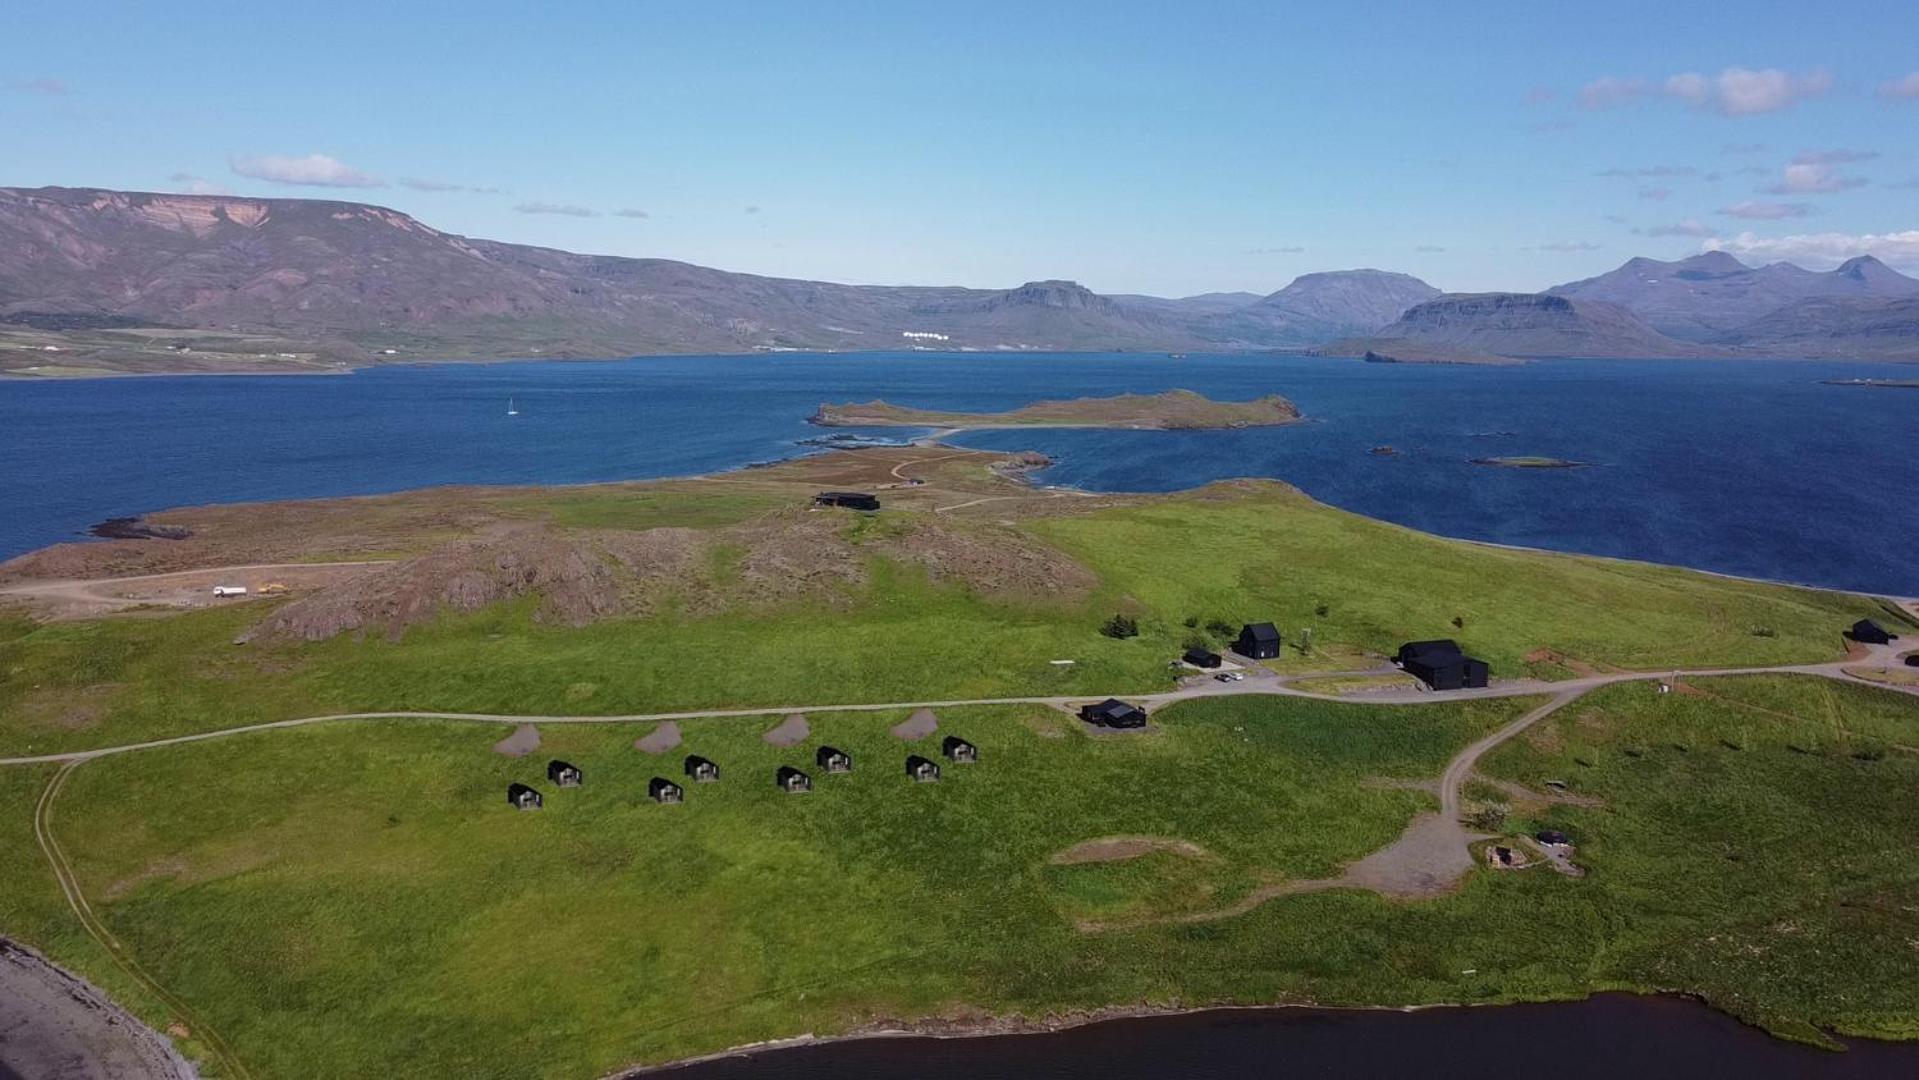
1114 713
851 500
662 790
1912 659
1868 632
563 774
921 769
959 751
1201 658
701 770
1440 665
1552 838
521 797
1258 641
833 761
791 780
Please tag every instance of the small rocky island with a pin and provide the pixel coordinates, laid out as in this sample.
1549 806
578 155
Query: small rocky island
1883 384
1174 410
1531 462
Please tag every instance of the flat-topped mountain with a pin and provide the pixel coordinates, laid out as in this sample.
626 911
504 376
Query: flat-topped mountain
1171 410
1708 296
1524 325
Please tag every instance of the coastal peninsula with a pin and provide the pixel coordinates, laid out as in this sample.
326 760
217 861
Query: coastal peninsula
1173 410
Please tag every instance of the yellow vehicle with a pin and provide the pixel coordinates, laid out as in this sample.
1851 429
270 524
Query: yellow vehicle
273 588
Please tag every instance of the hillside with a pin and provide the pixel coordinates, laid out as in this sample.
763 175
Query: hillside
1172 410
1321 307
1524 325
1875 328
1708 296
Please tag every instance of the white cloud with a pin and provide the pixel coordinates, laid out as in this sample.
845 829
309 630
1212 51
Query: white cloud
1904 88
631 212
1812 178
1833 157
418 184
1897 248
1735 91
562 209
196 185
1755 210
314 170
1692 227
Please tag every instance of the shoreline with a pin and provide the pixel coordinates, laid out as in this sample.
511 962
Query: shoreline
52 1018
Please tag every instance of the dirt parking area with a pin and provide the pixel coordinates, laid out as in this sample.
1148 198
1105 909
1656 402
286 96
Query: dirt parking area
87 599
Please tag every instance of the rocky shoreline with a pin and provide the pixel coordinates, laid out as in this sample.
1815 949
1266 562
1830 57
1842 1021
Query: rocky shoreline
54 1024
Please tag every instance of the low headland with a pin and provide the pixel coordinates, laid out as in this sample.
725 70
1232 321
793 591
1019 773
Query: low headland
1173 410
1531 461
332 826
1882 384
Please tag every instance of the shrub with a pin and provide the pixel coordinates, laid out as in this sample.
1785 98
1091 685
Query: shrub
1488 819
1221 628
1764 631
1121 626
1321 610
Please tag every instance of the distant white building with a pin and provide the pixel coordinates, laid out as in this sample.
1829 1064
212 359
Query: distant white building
923 335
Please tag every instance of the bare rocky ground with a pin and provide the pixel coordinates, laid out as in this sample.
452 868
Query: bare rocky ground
917 726
524 740
660 739
791 731
55 1025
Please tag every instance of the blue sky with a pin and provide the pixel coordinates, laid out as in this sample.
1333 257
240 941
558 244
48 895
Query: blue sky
1132 147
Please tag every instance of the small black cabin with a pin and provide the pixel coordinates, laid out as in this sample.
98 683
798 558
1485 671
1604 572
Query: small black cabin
1202 658
1258 641
851 500
701 770
921 769
1868 632
1912 659
563 774
791 780
1552 838
1440 665
959 750
521 797
1114 713
662 790
833 761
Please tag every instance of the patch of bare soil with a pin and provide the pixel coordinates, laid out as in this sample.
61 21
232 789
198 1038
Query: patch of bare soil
162 868
1527 801
1391 783
790 732
1121 848
54 1024
917 726
660 739
524 740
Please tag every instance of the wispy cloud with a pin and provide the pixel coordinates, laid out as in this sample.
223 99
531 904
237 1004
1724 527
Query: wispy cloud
1813 178
1277 251
1756 210
417 184
190 184
1692 227
1904 88
1832 157
45 85
631 212
1429 248
1736 91
1566 246
562 209
752 209
1655 194
313 170
1898 248
1648 172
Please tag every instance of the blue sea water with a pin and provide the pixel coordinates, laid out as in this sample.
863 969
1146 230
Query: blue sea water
1746 468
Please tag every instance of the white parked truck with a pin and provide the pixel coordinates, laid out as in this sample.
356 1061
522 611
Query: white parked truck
229 590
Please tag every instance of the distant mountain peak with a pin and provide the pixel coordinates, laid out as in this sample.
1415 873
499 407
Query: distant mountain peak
1055 293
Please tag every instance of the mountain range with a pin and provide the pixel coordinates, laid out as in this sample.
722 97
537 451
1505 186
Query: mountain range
358 283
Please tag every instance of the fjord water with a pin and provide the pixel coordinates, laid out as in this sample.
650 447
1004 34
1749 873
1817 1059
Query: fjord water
1747 468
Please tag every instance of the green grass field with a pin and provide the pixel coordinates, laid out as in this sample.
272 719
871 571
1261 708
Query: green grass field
358 899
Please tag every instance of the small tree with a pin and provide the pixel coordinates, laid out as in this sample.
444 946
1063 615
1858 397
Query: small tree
1488 818
1220 628
1459 622
1321 610
1121 626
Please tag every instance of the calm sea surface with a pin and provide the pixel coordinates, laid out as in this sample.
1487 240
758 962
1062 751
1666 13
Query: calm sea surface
1744 468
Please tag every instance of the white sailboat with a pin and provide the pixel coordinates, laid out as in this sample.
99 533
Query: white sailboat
510 409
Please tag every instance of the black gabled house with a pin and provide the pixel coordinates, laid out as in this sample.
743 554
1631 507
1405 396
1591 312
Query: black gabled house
1202 658
1442 666
564 774
662 790
959 751
921 769
1258 641
1114 713
791 780
850 500
1867 632
521 797
701 770
833 760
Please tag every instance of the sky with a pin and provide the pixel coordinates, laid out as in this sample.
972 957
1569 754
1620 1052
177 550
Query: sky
1133 147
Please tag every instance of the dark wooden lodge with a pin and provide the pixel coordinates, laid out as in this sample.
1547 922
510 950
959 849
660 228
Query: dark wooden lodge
1441 665
1912 659
833 760
1552 838
959 751
921 769
1202 658
701 770
1114 713
850 500
1258 641
662 790
791 780
564 774
521 797
1867 632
